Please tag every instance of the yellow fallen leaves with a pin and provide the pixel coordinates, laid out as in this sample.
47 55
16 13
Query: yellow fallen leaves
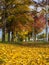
11 54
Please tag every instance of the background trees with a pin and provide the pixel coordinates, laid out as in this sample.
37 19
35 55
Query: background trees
18 18
14 16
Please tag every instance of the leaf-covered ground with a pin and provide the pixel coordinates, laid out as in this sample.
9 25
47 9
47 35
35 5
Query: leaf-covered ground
23 55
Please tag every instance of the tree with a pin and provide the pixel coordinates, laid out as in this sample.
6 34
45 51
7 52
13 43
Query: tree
12 8
16 17
39 22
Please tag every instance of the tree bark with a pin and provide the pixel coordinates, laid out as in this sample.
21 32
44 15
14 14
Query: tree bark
8 36
34 37
3 34
12 39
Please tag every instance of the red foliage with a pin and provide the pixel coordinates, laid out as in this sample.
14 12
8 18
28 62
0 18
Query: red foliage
39 22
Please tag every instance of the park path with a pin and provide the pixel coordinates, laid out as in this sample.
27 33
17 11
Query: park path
13 54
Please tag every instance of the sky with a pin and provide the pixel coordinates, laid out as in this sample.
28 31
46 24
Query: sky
39 8
37 0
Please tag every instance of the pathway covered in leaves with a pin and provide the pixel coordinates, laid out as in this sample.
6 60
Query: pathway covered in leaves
11 54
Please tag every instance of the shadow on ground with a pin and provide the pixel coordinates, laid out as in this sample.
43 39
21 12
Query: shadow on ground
28 44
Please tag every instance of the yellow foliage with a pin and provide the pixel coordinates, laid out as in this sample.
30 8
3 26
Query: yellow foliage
23 55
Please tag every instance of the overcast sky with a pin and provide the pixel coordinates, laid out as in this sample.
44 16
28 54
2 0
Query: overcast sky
39 8
37 1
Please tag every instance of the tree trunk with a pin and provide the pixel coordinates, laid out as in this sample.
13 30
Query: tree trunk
3 34
12 39
8 36
35 37
46 28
